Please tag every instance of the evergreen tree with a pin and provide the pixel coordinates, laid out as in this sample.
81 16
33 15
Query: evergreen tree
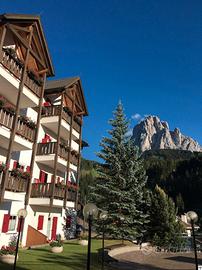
165 229
120 186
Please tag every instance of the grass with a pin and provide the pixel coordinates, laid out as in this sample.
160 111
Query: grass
72 258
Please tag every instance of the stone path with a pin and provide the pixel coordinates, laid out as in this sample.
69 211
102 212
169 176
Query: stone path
137 260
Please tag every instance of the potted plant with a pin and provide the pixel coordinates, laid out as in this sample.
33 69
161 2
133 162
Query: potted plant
7 253
83 241
57 245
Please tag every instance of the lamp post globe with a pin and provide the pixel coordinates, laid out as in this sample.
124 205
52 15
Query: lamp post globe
22 213
90 209
103 215
192 216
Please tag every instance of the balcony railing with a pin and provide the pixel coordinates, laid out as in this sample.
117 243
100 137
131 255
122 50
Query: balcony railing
44 190
15 184
15 66
6 119
55 111
50 148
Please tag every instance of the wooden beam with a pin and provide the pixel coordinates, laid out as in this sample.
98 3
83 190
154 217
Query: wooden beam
15 121
78 169
57 152
69 153
2 42
26 46
34 147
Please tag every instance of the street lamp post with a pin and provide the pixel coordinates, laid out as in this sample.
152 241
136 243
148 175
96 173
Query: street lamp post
192 217
90 211
103 217
22 213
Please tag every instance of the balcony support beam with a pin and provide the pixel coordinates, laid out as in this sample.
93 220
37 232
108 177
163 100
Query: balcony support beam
78 170
2 42
70 144
56 152
15 120
34 147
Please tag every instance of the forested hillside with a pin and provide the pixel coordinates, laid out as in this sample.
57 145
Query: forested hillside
179 173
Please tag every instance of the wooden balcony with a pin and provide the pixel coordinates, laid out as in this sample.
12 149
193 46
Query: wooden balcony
50 120
46 155
10 75
23 132
50 148
44 191
16 184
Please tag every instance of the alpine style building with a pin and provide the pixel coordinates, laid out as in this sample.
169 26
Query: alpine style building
40 134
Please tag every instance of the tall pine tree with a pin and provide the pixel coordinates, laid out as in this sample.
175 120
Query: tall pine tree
121 183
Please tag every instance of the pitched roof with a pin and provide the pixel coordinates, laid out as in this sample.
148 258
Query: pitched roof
59 86
25 18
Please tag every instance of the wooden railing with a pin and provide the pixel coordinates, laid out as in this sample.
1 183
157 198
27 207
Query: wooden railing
14 66
16 184
44 190
74 159
6 119
76 126
55 111
50 148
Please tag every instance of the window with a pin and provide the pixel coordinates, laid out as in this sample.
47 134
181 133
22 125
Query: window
12 223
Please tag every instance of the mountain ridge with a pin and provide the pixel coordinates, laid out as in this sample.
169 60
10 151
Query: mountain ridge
153 134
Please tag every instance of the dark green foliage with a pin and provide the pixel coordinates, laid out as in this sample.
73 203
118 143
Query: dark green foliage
164 229
120 186
177 172
87 178
180 204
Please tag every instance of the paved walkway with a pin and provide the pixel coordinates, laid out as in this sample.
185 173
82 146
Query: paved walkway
137 260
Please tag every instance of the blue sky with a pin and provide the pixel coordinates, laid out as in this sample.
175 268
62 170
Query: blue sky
146 53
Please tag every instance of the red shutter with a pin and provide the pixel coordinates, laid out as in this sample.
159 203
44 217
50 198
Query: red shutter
18 227
15 163
54 228
40 222
5 223
42 176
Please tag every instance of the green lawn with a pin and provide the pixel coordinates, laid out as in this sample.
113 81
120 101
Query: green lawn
72 258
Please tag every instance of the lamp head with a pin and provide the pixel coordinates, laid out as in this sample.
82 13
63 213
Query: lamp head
192 216
90 209
22 213
103 215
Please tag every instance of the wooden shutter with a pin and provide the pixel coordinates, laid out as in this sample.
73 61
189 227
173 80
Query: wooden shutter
54 228
42 176
40 222
5 223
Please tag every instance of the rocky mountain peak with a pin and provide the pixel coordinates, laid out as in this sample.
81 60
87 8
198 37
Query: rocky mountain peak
152 133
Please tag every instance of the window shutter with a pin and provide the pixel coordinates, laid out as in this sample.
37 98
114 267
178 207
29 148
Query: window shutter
40 222
42 176
18 227
15 163
5 223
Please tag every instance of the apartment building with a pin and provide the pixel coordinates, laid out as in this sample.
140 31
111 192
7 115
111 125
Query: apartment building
40 134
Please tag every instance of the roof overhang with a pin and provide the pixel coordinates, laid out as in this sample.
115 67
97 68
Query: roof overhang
30 19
